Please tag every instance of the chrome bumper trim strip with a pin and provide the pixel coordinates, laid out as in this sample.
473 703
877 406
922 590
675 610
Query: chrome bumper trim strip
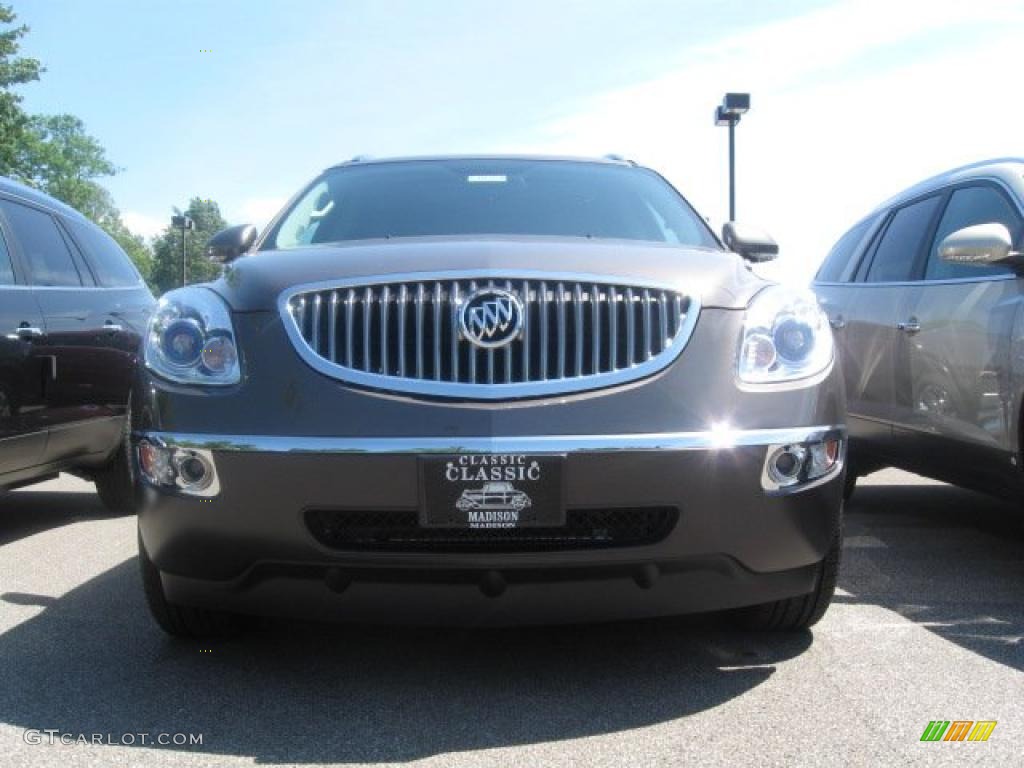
713 439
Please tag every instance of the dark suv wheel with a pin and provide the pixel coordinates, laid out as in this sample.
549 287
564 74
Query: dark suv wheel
115 483
181 620
796 613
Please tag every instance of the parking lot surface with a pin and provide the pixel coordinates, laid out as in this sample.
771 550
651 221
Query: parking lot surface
927 625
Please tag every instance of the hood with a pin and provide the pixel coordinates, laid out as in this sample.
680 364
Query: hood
720 279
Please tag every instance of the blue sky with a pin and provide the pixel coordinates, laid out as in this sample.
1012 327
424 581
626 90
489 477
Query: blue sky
852 99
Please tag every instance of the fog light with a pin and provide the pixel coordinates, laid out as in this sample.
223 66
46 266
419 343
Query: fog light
785 464
824 456
188 470
193 471
793 466
155 463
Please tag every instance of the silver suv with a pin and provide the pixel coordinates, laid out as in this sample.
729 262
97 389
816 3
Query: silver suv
925 296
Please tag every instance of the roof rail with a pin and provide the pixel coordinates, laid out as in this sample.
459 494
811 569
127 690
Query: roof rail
619 158
361 158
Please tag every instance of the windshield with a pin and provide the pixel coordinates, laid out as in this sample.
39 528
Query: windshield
489 197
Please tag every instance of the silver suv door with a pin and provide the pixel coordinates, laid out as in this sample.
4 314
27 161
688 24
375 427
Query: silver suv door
871 324
954 384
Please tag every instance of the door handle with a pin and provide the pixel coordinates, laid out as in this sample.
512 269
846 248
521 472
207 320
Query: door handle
26 332
909 326
111 327
838 322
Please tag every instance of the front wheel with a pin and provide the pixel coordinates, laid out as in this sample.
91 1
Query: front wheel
115 483
181 620
800 612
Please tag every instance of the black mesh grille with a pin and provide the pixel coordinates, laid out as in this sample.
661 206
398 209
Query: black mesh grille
399 531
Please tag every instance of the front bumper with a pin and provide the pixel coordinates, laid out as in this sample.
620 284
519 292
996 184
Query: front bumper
248 547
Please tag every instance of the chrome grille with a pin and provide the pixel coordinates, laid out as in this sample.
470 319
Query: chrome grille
403 334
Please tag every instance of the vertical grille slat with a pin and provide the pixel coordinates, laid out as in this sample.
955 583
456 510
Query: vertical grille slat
367 315
527 329
403 301
453 301
507 352
419 330
613 328
437 331
630 329
543 341
315 330
332 329
350 327
385 307
410 331
663 320
577 296
647 325
470 348
560 304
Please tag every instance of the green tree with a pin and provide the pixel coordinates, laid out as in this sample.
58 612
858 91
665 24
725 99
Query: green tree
53 153
14 70
166 272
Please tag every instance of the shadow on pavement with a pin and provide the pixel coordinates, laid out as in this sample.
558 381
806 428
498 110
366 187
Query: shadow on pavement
93 662
27 512
946 558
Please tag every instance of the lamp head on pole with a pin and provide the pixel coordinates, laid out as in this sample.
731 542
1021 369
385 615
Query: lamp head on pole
733 106
183 222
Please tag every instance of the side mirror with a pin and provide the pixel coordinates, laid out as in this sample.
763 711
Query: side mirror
749 242
980 245
228 244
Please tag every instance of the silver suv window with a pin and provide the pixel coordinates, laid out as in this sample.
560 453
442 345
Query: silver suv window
902 242
837 266
6 268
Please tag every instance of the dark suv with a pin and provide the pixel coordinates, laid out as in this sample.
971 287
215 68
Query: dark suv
72 311
488 390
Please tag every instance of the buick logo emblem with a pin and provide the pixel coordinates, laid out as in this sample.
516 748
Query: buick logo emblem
491 317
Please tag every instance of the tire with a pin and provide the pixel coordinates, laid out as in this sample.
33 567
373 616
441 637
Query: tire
797 613
849 486
115 483
181 620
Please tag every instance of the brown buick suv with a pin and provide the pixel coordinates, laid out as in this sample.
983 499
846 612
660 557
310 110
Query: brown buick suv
488 390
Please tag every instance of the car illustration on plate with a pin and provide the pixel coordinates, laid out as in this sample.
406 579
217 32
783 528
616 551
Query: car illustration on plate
410 328
494 496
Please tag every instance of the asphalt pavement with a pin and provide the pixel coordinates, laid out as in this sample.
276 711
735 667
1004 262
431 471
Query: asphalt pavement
927 625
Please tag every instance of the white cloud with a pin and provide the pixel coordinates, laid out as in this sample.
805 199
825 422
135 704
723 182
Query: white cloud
257 210
143 224
832 131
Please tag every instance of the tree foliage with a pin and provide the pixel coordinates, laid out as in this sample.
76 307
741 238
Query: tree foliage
14 70
54 153
166 271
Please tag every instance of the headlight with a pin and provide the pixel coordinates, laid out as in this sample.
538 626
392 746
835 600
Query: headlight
190 339
786 337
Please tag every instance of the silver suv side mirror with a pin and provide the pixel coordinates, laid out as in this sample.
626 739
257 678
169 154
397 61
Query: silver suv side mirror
749 242
981 244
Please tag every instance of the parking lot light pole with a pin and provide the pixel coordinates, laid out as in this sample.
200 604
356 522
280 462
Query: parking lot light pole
733 106
185 223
